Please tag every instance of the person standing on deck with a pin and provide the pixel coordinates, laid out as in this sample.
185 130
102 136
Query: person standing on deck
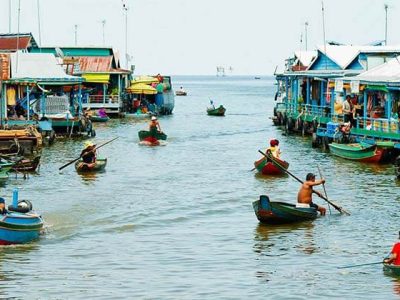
274 148
304 197
394 257
348 110
88 154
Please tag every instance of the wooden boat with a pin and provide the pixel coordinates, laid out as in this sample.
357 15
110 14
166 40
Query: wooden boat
154 134
391 269
265 166
99 119
20 224
363 152
220 111
5 168
271 212
98 166
22 164
181 93
138 116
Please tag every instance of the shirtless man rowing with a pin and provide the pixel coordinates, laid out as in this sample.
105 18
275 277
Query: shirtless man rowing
306 190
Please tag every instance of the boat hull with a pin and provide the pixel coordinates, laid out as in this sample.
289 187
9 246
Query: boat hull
180 93
99 119
218 112
145 135
270 212
391 269
98 166
358 151
27 165
266 167
20 228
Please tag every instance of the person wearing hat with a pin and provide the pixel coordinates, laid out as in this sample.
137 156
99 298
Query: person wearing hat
3 209
304 196
274 148
154 126
88 154
394 257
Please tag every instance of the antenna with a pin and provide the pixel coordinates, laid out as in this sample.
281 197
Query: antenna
9 16
76 35
103 22
306 25
40 34
323 29
19 14
386 22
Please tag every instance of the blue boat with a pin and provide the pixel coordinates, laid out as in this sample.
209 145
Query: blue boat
271 212
20 224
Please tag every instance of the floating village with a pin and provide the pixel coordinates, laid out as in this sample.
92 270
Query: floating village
342 100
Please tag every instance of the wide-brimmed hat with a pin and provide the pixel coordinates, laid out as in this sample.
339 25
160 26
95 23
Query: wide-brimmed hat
89 144
153 118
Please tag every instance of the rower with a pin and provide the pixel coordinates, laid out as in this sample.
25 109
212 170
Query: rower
274 148
154 126
394 257
304 196
88 154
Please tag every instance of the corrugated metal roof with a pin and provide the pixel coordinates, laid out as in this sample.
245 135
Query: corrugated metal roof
39 66
10 43
387 72
305 57
95 64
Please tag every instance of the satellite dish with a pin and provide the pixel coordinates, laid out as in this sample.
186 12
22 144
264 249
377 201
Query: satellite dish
59 52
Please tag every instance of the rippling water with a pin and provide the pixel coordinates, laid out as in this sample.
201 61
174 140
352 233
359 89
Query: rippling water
176 222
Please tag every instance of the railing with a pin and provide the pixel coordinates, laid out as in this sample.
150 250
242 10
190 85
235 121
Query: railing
384 125
100 99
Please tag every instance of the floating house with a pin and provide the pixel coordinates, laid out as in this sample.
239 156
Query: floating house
104 80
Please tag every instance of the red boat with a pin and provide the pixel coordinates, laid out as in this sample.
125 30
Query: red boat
267 167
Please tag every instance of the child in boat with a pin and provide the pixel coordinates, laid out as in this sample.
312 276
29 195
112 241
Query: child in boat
304 196
394 257
88 154
274 148
102 113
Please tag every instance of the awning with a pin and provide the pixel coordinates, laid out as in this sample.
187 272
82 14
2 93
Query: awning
144 79
380 88
96 78
141 88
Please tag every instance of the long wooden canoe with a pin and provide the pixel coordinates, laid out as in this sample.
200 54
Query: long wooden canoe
265 166
363 152
220 111
271 212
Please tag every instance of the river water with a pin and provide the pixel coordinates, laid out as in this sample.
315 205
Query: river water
176 221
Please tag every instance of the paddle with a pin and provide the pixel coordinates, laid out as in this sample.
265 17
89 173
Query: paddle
323 185
72 161
341 210
353 266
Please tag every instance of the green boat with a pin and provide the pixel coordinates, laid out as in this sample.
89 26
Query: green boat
391 270
154 133
99 119
220 111
363 152
5 168
98 166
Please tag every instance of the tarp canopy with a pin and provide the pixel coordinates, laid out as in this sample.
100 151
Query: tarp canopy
141 88
144 79
96 78
40 67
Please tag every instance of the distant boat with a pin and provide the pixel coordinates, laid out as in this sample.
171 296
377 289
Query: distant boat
257 77
220 111
181 93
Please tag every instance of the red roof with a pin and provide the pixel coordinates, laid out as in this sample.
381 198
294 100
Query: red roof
95 64
10 43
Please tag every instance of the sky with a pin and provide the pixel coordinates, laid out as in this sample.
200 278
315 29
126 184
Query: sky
188 37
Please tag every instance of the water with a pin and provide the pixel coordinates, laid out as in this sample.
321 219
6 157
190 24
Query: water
176 222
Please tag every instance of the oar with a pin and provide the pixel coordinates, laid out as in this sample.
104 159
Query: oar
283 169
72 161
323 185
368 264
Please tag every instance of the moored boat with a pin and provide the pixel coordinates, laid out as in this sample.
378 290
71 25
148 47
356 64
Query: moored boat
99 119
363 152
25 164
219 111
265 166
391 269
181 93
5 168
20 224
272 212
97 166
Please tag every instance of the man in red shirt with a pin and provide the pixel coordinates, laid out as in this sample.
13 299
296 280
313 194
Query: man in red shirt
394 255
